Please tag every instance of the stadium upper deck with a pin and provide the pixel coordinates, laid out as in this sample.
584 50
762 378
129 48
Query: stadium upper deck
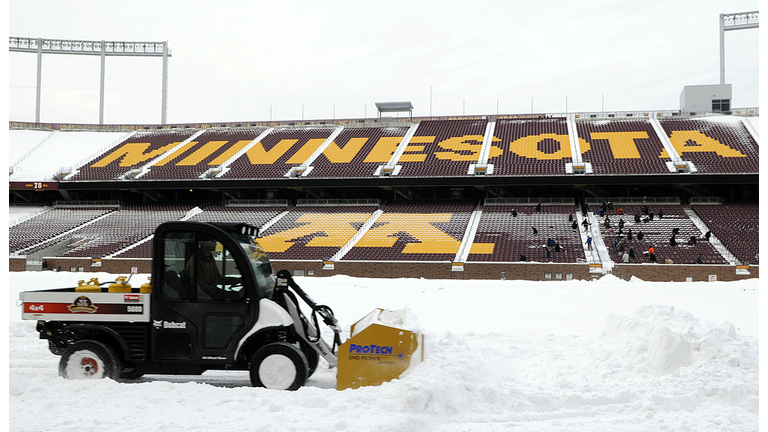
493 150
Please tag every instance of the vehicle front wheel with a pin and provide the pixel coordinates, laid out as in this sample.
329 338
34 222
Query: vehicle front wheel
89 359
279 366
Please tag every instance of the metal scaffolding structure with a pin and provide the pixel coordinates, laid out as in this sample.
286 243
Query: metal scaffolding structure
735 21
104 49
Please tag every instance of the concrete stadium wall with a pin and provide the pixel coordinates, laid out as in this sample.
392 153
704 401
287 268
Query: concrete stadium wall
17 264
680 272
432 270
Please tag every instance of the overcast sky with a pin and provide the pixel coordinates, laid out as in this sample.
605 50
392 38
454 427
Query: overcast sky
249 60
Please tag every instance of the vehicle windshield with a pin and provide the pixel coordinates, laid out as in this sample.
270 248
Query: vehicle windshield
265 276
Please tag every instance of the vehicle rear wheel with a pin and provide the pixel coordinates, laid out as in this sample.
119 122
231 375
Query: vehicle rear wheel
89 359
279 366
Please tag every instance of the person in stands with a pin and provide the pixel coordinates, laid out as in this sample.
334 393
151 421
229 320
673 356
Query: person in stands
640 236
514 213
707 235
535 231
699 260
589 243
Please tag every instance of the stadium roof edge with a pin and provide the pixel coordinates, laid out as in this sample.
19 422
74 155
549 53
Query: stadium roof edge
373 122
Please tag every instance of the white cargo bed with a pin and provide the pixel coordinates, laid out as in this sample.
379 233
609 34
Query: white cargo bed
84 306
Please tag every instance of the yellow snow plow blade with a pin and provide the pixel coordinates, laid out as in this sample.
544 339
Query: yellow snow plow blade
380 349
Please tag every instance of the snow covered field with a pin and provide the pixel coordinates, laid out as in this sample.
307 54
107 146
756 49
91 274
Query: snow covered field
607 355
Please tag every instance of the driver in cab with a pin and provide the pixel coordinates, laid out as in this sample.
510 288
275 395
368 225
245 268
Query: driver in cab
209 279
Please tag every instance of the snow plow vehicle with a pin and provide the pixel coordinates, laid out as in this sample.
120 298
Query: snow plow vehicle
214 303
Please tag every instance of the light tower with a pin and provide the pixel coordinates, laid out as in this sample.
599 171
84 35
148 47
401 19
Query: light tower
104 49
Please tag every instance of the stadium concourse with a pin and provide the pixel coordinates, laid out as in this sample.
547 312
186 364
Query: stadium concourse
534 197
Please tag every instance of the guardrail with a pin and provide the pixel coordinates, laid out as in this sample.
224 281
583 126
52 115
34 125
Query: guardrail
529 201
257 202
634 200
306 202
86 203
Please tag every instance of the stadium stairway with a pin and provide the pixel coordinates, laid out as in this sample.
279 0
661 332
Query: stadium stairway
469 237
598 245
192 212
592 256
391 165
360 233
54 241
713 240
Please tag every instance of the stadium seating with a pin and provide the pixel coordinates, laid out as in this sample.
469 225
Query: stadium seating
50 224
714 145
443 148
277 153
530 147
736 226
132 153
357 152
122 228
415 231
314 232
657 233
622 147
211 149
502 237
257 215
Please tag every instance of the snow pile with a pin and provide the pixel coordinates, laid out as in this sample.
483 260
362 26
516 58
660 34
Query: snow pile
403 319
666 340
500 355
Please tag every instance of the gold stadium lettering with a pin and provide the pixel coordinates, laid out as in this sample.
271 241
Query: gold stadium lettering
315 223
257 155
419 226
412 152
132 154
228 153
622 144
336 154
528 147
306 151
383 150
470 144
176 154
693 141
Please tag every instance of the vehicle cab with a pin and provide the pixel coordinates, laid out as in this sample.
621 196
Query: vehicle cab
208 281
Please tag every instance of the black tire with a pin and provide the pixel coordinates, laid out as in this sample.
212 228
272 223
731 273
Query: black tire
279 366
89 359
313 358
